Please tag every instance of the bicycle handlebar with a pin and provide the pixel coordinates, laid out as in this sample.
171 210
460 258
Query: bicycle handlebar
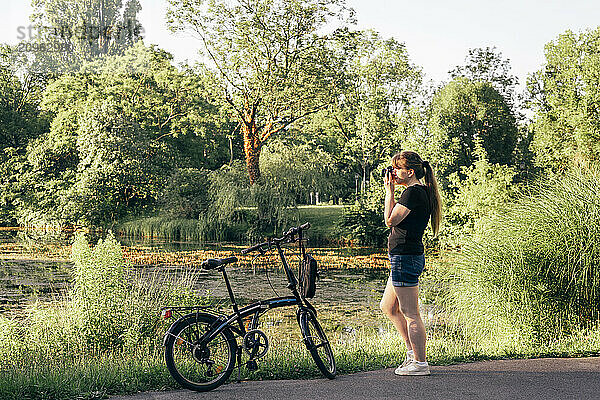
255 247
286 236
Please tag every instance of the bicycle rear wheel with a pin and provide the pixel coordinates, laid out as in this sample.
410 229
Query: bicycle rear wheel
194 366
317 344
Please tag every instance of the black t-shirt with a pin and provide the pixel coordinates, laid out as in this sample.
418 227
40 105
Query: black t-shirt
407 236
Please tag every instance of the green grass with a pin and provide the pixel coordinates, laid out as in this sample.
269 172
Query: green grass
324 222
157 226
96 375
91 377
180 229
499 299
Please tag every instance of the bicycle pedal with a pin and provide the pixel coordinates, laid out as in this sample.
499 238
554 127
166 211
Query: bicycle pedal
251 365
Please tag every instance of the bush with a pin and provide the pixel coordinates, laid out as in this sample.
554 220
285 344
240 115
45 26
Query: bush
100 291
117 305
532 274
363 226
484 190
362 223
186 194
110 308
227 214
238 210
105 337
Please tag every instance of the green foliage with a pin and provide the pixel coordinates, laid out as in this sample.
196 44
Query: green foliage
111 310
290 173
487 65
324 221
363 226
82 30
273 64
100 291
486 190
19 117
20 122
362 223
121 168
229 202
11 190
378 96
295 170
115 306
463 113
532 274
565 95
121 126
162 226
186 194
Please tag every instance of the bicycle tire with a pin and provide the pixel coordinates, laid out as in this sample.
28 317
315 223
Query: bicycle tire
199 368
317 344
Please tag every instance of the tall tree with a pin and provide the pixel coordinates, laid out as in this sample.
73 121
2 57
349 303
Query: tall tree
378 91
565 95
19 116
464 115
120 127
275 67
20 122
488 65
80 30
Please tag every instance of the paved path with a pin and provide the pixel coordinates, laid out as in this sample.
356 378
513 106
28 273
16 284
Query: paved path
546 378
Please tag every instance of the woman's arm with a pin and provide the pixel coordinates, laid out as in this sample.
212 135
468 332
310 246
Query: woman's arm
393 212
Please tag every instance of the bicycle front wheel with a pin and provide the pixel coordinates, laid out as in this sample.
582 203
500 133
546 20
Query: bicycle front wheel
317 344
195 366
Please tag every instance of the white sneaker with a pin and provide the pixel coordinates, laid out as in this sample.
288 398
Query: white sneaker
407 360
412 368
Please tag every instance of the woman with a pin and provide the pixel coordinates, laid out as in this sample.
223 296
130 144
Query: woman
408 218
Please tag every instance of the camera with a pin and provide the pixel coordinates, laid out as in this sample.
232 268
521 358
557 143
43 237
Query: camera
388 170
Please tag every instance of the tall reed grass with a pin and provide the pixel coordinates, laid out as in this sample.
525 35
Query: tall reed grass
181 229
324 221
531 275
163 227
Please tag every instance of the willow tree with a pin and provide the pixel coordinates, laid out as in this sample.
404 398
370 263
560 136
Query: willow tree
274 65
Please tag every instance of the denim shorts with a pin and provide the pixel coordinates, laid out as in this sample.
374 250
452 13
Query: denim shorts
406 269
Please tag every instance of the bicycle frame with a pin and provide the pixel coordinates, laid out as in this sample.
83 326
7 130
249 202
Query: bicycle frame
254 309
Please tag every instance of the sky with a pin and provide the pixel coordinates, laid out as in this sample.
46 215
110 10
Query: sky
437 33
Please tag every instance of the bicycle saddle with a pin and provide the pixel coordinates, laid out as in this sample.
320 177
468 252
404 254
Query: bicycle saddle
213 263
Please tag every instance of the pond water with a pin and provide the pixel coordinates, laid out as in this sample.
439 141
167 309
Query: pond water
23 279
35 267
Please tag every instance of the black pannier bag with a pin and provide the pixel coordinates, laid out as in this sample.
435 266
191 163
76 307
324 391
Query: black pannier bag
308 276
308 272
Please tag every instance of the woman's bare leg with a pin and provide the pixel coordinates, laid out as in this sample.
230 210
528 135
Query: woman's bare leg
408 299
390 307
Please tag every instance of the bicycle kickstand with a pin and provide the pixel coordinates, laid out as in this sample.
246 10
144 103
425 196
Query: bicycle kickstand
239 364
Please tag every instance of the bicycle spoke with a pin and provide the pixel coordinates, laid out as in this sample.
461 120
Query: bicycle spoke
179 338
197 365
318 345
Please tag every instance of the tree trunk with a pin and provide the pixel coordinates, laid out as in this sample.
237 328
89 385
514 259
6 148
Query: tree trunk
252 147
